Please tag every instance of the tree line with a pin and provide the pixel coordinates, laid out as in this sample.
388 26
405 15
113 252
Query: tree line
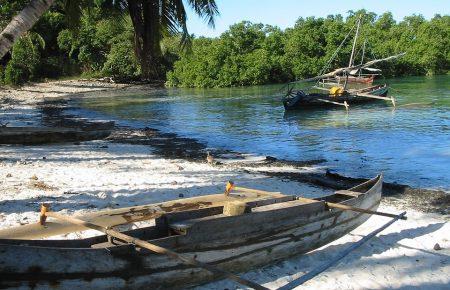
255 54
105 38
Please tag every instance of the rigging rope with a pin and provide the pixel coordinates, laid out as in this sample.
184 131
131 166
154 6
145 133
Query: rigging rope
327 65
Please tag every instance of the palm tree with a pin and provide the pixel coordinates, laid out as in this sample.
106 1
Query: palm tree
22 23
152 20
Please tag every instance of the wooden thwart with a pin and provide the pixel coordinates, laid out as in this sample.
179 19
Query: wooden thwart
152 247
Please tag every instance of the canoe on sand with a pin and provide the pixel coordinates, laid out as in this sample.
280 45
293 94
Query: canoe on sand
47 135
272 227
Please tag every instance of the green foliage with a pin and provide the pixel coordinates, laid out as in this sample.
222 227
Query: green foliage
102 46
121 62
246 54
25 59
250 54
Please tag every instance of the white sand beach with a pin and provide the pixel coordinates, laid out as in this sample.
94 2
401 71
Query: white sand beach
98 174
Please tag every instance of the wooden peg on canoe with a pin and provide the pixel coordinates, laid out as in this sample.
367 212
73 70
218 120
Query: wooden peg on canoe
43 217
229 187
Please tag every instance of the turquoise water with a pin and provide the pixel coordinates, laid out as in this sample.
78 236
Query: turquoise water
410 144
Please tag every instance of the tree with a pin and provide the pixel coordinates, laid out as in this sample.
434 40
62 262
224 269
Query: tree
152 20
22 23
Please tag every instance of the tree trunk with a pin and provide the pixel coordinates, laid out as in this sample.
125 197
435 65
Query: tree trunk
22 23
135 10
147 36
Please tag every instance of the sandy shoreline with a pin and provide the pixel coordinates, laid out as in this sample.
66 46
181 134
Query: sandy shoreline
33 93
101 174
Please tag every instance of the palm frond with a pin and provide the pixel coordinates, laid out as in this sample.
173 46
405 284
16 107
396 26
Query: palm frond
207 9
173 19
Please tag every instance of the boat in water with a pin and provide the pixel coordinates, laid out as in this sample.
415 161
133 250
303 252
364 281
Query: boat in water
271 227
300 100
341 87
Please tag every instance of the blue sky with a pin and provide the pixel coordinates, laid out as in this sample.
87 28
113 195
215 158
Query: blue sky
284 13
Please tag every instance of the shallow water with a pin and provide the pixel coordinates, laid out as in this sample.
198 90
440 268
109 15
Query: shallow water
410 144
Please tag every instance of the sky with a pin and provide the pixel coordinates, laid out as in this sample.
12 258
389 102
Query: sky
284 13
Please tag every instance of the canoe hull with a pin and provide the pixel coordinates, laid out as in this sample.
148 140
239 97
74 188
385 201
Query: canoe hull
236 244
44 135
356 79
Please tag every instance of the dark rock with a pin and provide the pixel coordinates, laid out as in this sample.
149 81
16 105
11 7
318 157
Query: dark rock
437 247
181 195
270 158
69 192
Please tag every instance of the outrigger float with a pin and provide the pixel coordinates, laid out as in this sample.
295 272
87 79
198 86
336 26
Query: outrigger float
192 241
341 87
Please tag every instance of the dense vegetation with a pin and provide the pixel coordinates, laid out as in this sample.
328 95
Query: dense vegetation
119 38
246 54
254 54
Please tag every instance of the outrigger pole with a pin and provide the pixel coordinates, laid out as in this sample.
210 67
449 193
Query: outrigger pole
392 99
329 204
335 103
321 268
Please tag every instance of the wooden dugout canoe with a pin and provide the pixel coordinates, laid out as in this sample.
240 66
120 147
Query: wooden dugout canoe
46 135
275 227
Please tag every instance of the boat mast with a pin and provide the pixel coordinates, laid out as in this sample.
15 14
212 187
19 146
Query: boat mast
352 56
362 56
